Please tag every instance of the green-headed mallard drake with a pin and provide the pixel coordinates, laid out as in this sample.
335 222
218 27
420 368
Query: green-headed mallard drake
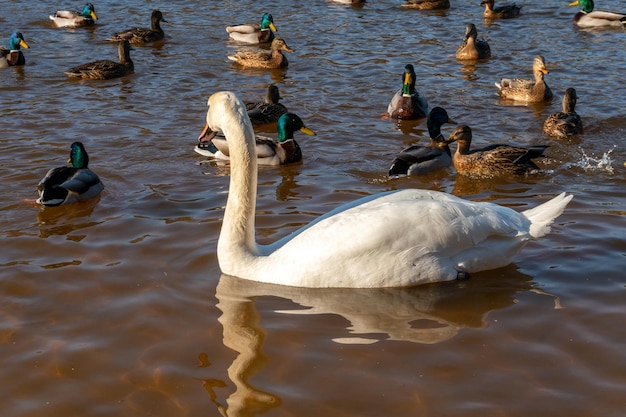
268 111
493 160
420 159
264 59
530 91
73 19
505 11
13 56
473 47
269 151
69 184
567 122
106 69
407 103
254 33
138 36
588 18
427 4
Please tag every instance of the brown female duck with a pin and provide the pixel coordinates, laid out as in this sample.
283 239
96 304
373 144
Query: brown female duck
472 47
137 36
264 59
106 69
567 122
505 11
530 91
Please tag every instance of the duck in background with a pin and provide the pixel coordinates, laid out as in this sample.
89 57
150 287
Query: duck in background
472 47
420 159
106 69
588 18
493 160
427 4
407 104
505 11
529 91
271 59
565 123
138 35
69 184
269 151
13 56
72 19
254 33
268 111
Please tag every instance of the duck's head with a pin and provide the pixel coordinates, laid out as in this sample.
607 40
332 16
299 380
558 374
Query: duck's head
272 95
587 5
539 65
267 22
16 41
436 118
462 135
289 123
279 44
408 80
569 100
89 12
487 2
470 31
157 16
78 156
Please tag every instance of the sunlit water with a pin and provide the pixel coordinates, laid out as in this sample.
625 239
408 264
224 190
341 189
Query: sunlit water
117 306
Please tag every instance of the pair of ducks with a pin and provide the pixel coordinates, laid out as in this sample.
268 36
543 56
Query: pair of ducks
263 33
491 12
107 69
490 161
280 151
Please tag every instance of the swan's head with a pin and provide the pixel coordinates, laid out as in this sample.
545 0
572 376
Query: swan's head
224 109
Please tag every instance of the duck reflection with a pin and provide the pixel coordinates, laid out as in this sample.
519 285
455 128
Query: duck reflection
426 314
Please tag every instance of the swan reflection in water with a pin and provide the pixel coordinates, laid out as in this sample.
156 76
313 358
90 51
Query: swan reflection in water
425 314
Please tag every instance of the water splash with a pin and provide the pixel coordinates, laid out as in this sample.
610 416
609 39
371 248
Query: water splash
593 163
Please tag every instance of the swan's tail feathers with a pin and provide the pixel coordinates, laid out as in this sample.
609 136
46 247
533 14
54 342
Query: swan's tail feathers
543 215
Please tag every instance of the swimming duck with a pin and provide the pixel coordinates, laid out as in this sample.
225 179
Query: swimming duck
406 103
269 151
72 19
493 160
427 4
530 91
106 69
253 33
588 18
262 58
138 35
398 238
472 47
567 122
13 56
505 11
268 111
69 184
419 159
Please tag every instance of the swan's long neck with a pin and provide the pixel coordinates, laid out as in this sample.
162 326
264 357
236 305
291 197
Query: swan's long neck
237 238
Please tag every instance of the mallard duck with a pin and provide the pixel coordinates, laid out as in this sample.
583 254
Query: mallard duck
137 36
427 4
530 91
505 11
398 238
269 151
588 18
264 59
253 33
268 111
493 160
567 122
69 184
419 159
72 19
13 56
106 69
472 47
407 103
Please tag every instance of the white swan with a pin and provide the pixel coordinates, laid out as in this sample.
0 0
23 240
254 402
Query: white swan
391 239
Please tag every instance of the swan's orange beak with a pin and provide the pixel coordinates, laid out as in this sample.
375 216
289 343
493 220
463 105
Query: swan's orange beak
207 134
